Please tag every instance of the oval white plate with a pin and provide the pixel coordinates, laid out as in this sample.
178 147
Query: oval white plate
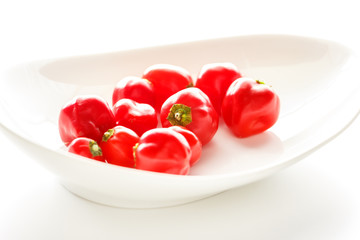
314 78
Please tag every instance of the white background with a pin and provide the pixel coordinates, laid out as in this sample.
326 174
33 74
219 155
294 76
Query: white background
318 198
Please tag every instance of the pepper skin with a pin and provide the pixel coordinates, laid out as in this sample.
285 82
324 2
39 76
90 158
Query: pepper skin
214 79
191 108
140 117
194 143
250 107
86 147
163 150
167 79
85 116
117 146
134 88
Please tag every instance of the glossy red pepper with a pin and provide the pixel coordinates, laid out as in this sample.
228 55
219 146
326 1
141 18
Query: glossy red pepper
191 108
250 107
214 79
85 116
86 147
117 146
194 143
163 150
134 88
140 117
167 79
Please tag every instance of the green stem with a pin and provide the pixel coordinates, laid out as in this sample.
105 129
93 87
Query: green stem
95 149
134 153
108 134
260 82
180 115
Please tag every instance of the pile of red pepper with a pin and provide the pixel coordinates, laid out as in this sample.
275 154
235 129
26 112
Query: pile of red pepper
161 120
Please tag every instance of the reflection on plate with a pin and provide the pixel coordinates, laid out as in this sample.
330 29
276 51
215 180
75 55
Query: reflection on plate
314 79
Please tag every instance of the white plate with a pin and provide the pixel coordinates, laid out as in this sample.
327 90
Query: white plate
315 79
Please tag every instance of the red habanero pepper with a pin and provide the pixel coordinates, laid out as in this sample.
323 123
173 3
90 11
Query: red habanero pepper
85 116
191 108
86 147
117 146
134 88
163 150
250 107
214 79
140 117
167 79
